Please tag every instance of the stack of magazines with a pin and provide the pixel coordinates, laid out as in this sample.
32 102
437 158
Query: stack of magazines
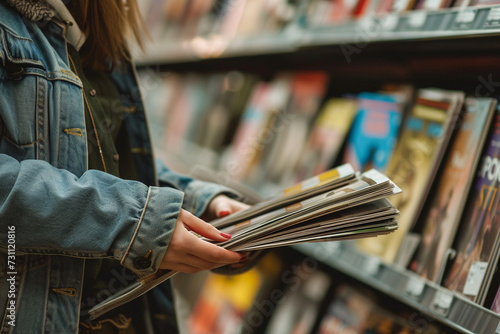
339 204
336 205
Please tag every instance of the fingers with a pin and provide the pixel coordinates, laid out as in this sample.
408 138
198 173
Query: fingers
212 253
188 253
223 206
202 228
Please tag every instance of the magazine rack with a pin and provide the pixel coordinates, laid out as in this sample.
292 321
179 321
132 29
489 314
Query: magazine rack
427 297
424 46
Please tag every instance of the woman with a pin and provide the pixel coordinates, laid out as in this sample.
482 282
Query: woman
81 200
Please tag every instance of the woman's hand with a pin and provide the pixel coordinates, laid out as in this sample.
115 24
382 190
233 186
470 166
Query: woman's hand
222 206
189 254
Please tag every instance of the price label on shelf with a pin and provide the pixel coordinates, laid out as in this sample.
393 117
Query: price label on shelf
475 278
415 286
466 15
442 302
417 19
465 18
389 21
493 18
371 265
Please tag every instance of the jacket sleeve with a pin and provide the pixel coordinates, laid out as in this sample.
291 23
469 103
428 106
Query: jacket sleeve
94 216
198 194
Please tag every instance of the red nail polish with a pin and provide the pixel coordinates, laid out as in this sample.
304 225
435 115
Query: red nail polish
244 258
224 213
226 235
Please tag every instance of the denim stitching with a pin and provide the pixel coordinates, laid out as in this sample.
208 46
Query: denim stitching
137 228
74 132
65 291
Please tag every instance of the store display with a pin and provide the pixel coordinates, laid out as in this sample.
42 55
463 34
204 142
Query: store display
354 309
452 187
254 153
416 160
478 236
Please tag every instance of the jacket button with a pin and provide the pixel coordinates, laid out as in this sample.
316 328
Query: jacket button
92 92
142 263
116 157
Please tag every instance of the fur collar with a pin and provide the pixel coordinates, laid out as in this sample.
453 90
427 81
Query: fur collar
33 10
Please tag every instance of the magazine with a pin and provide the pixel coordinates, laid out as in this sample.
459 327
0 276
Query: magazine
415 162
337 205
441 222
476 242
374 131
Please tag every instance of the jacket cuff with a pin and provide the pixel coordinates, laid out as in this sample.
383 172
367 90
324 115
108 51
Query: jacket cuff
200 193
154 231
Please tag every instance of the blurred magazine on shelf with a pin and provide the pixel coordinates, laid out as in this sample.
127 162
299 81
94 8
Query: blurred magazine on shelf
289 134
495 307
226 303
326 138
355 207
297 309
477 242
356 309
452 187
374 131
417 157
257 126
349 310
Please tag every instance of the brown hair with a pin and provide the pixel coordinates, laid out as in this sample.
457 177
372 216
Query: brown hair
106 25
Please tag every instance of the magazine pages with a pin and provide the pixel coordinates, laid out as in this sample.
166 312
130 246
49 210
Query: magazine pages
336 205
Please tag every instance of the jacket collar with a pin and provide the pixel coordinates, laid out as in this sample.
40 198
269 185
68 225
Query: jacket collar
45 10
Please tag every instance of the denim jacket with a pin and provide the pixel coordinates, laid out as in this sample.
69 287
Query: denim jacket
54 213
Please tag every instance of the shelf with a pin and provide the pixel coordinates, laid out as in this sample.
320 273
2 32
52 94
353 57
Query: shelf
427 297
451 23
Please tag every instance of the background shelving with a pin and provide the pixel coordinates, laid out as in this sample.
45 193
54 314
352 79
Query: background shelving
431 299
451 48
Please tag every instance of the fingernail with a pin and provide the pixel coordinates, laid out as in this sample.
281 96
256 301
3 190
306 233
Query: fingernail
224 213
225 235
244 258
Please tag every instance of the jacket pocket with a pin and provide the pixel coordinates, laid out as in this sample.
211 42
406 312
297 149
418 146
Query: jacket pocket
23 113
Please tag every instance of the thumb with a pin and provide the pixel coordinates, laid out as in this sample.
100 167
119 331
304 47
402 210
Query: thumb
202 228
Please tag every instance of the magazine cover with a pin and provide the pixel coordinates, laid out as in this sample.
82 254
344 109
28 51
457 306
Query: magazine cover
225 303
348 311
298 307
480 225
289 135
415 161
256 126
327 136
374 132
495 307
447 203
